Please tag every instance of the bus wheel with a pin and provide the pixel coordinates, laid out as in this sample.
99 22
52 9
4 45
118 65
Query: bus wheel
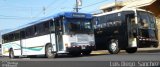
11 54
87 52
113 47
155 46
48 52
131 50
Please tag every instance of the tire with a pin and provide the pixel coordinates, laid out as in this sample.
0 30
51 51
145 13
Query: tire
87 52
131 50
48 52
113 47
155 46
11 54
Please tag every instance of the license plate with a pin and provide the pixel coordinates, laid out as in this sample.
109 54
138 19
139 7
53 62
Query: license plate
83 47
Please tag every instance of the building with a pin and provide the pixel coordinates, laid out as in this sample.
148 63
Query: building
150 5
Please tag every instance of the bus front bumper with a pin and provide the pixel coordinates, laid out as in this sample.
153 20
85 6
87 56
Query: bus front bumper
80 48
148 43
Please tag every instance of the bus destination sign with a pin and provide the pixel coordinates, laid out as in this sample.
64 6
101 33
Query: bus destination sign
79 15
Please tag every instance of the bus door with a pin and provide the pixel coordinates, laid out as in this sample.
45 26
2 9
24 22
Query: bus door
131 24
59 33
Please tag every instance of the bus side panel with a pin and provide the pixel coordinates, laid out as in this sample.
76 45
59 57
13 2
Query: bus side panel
53 41
123 33
16 48
5 49
99 40
35 45
122 37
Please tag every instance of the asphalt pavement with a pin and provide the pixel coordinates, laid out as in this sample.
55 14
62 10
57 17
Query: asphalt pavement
103 55
101 58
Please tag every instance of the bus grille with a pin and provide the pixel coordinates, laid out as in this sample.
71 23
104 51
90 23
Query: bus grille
82 38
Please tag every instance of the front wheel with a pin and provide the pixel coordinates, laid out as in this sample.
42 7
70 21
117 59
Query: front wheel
131 50
156 45
48 52
113 47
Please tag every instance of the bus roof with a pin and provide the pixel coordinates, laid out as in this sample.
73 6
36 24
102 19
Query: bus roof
126 9
65 14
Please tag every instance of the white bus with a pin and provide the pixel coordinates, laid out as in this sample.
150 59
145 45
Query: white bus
67 32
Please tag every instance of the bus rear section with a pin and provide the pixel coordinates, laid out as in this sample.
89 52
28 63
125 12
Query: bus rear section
64 33
126 29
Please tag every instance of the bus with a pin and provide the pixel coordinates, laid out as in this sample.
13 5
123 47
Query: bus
63 33
125 29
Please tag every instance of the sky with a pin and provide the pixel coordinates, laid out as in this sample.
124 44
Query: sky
15 13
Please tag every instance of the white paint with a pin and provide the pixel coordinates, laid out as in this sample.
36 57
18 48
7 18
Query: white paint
34 42
53 41
80 39
134 43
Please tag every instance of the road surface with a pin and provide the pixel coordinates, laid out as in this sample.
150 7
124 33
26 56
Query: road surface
104 59
122 56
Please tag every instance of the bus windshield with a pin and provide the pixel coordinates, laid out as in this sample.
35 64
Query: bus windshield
146 20
147 25
79 25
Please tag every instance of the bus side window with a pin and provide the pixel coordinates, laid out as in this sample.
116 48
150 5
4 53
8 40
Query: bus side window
11 37
22 34
39 29
27 32
35 30
58 25
52 26
16 36
46 26
4 38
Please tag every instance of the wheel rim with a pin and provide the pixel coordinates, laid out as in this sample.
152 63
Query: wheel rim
49 51
11 54
113 46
